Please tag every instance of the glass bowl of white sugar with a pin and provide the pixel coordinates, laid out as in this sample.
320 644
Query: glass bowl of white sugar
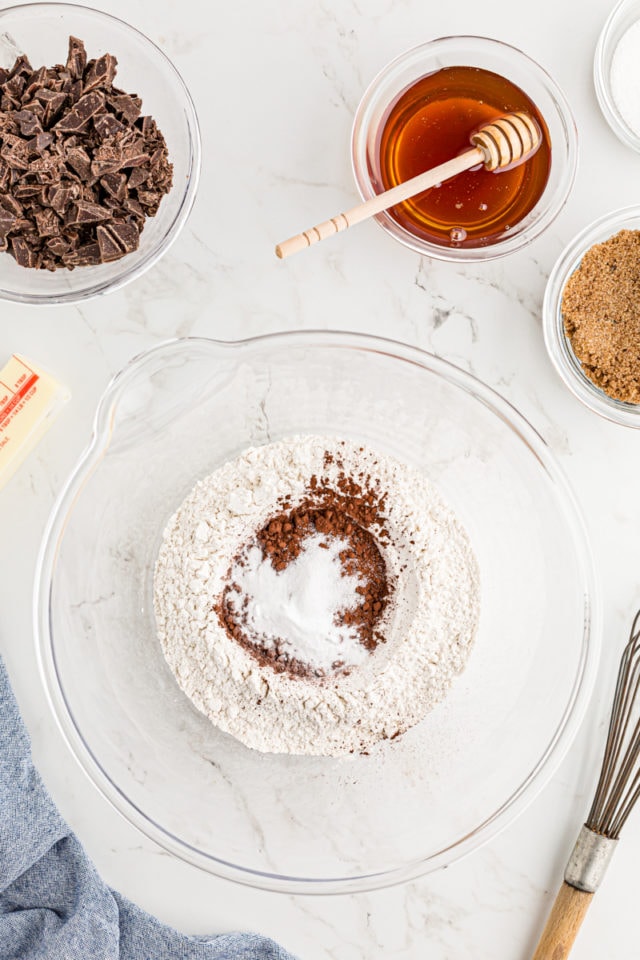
289 821
616 72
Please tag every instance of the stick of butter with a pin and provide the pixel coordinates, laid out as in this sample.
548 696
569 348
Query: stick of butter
29 402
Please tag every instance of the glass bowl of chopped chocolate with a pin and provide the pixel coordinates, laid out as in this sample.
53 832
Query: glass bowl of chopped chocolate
99 153
591 316
315 611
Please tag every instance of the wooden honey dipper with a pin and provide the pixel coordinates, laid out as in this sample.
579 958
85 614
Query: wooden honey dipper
505 142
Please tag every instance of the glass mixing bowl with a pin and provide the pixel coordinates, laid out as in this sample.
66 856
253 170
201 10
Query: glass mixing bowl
41 30
313 824
500 58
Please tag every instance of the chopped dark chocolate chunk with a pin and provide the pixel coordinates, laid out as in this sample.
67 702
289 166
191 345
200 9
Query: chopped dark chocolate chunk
149 199
100 73
48 223
21 68
57 246
15 154
86 255
34 83
135 207
46 170
29 123
41 141
107 125
137 177
10 204
80 168
132 158
78 117
53 104
148 127
77 58
110 249
82 213
24 253
7 220
13 88
101 167
23 190
126 234
58 197
115 184
127 106
78 160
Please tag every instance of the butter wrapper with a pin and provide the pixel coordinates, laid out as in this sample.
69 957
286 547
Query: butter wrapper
30 400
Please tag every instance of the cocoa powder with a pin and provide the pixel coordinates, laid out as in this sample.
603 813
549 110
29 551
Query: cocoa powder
351 514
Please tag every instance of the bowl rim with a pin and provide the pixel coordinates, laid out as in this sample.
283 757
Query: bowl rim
464 254
602 60
556 341
543 768
192 179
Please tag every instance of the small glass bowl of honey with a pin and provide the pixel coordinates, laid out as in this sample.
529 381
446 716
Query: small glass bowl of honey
420 111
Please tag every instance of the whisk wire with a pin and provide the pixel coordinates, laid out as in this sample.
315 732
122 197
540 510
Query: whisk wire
630 677
615 738
626 808
618 788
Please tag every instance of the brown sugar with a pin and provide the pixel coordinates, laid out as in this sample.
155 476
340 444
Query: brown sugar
601 313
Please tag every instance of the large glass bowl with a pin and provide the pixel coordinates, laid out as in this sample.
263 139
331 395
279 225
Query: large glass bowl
41 31
486 54
309 824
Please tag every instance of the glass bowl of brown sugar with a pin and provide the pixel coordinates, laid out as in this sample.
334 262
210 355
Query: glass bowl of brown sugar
591 316
419 112
100 155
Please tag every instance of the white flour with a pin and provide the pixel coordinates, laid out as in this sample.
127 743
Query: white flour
428 625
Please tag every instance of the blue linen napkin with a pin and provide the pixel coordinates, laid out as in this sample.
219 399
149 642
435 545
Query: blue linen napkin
53 904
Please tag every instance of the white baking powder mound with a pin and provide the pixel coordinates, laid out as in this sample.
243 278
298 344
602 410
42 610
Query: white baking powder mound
428 625
298 609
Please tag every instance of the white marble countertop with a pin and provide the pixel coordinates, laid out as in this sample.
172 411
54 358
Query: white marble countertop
276 85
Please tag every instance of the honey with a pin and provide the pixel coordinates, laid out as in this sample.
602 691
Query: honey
431 122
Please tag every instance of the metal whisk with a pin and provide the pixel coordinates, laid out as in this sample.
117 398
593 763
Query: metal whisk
616 794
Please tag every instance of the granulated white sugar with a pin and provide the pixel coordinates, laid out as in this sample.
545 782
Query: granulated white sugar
624 77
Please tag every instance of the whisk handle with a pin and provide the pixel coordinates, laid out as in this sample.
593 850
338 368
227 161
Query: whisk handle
563 923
